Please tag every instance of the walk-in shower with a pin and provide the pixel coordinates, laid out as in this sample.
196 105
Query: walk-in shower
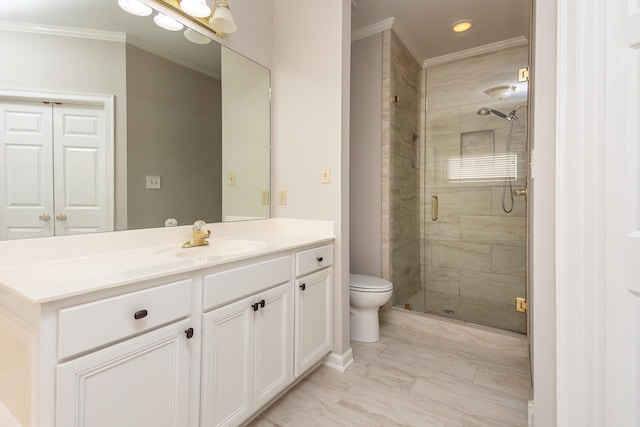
472 251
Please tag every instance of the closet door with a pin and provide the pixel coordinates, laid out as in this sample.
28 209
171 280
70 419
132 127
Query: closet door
26 170
83 175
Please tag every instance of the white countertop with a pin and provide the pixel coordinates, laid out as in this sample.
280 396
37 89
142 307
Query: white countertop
68 274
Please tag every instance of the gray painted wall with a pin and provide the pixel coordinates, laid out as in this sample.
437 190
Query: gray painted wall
174 117
365 155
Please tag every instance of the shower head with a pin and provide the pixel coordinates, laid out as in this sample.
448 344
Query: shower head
486 111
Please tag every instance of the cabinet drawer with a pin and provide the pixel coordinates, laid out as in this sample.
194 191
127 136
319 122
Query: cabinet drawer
90 325
314 259
226 286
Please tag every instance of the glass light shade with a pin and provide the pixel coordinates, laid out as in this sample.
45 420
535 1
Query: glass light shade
501 92
135 7
222 20
169 24
196 37
196 8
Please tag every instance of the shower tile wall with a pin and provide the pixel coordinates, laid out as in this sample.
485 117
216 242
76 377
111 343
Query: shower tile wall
400 180
473 256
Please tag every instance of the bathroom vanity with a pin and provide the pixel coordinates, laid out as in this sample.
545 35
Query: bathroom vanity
133 330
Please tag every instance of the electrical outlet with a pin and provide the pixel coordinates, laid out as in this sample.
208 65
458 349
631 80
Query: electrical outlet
231 179
282 197
265 197
153 182
325 178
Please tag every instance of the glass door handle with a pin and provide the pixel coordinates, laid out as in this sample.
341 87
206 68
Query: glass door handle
434 208
44 217
61 217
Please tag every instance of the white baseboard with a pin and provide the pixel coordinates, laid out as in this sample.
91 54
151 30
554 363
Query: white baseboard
530 410
340 362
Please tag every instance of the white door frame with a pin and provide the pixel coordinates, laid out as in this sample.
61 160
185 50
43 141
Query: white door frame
107 103
580 213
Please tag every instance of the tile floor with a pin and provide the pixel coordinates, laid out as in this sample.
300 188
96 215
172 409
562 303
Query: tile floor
489 313
424 371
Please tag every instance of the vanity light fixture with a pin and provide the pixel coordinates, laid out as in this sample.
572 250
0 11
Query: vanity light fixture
135 7
195 37
222 20
170 24
195 8
462 26
501 92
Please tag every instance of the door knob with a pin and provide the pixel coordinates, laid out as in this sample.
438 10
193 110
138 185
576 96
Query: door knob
44 217
61 217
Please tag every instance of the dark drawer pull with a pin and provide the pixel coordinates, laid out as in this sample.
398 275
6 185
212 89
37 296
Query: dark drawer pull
319 259
255 306
262 303
303 286
140 314
189 333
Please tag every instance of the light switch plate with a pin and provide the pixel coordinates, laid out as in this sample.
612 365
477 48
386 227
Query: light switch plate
265 197
282 197
231 179
153 182
325 178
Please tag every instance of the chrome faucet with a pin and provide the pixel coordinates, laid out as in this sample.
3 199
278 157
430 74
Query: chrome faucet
199 235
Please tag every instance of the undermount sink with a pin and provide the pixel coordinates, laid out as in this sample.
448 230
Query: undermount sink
222 248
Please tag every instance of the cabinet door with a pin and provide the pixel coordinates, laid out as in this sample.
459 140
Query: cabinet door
141 382
227 364
273 344
312 319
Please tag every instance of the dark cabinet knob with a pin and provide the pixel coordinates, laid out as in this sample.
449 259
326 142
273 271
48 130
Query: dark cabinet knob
140 314
319 259
189 333
303 286
262 303
256 306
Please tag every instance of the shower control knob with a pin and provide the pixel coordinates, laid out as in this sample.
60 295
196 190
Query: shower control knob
520 192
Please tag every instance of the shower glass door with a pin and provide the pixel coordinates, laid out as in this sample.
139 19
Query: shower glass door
476 163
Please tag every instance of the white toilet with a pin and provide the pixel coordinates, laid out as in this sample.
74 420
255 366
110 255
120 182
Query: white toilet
367 293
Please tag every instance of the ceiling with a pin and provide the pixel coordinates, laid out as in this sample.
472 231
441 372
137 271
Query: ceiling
424 26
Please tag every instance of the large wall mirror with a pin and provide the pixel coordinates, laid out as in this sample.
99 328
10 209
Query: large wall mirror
109 122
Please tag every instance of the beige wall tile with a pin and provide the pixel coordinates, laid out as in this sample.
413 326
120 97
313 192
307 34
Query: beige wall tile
493 229
491 287
508 260
444 280
462 255
461 201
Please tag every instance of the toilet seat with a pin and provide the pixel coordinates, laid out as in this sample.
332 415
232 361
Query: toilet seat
362 283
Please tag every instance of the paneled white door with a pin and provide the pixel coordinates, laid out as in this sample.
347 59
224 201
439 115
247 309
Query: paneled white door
56 174
80 170
26 170
622 186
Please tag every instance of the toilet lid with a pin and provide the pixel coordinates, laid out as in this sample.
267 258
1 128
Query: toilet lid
360 282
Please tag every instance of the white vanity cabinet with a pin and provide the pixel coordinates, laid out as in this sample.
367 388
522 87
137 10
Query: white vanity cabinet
206 346
247 354
313 323
141 381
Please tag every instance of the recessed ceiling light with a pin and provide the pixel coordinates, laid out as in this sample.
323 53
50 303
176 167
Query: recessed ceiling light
461 26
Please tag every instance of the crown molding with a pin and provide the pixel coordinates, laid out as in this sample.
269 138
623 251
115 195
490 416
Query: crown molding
476 51
51 30
372 29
